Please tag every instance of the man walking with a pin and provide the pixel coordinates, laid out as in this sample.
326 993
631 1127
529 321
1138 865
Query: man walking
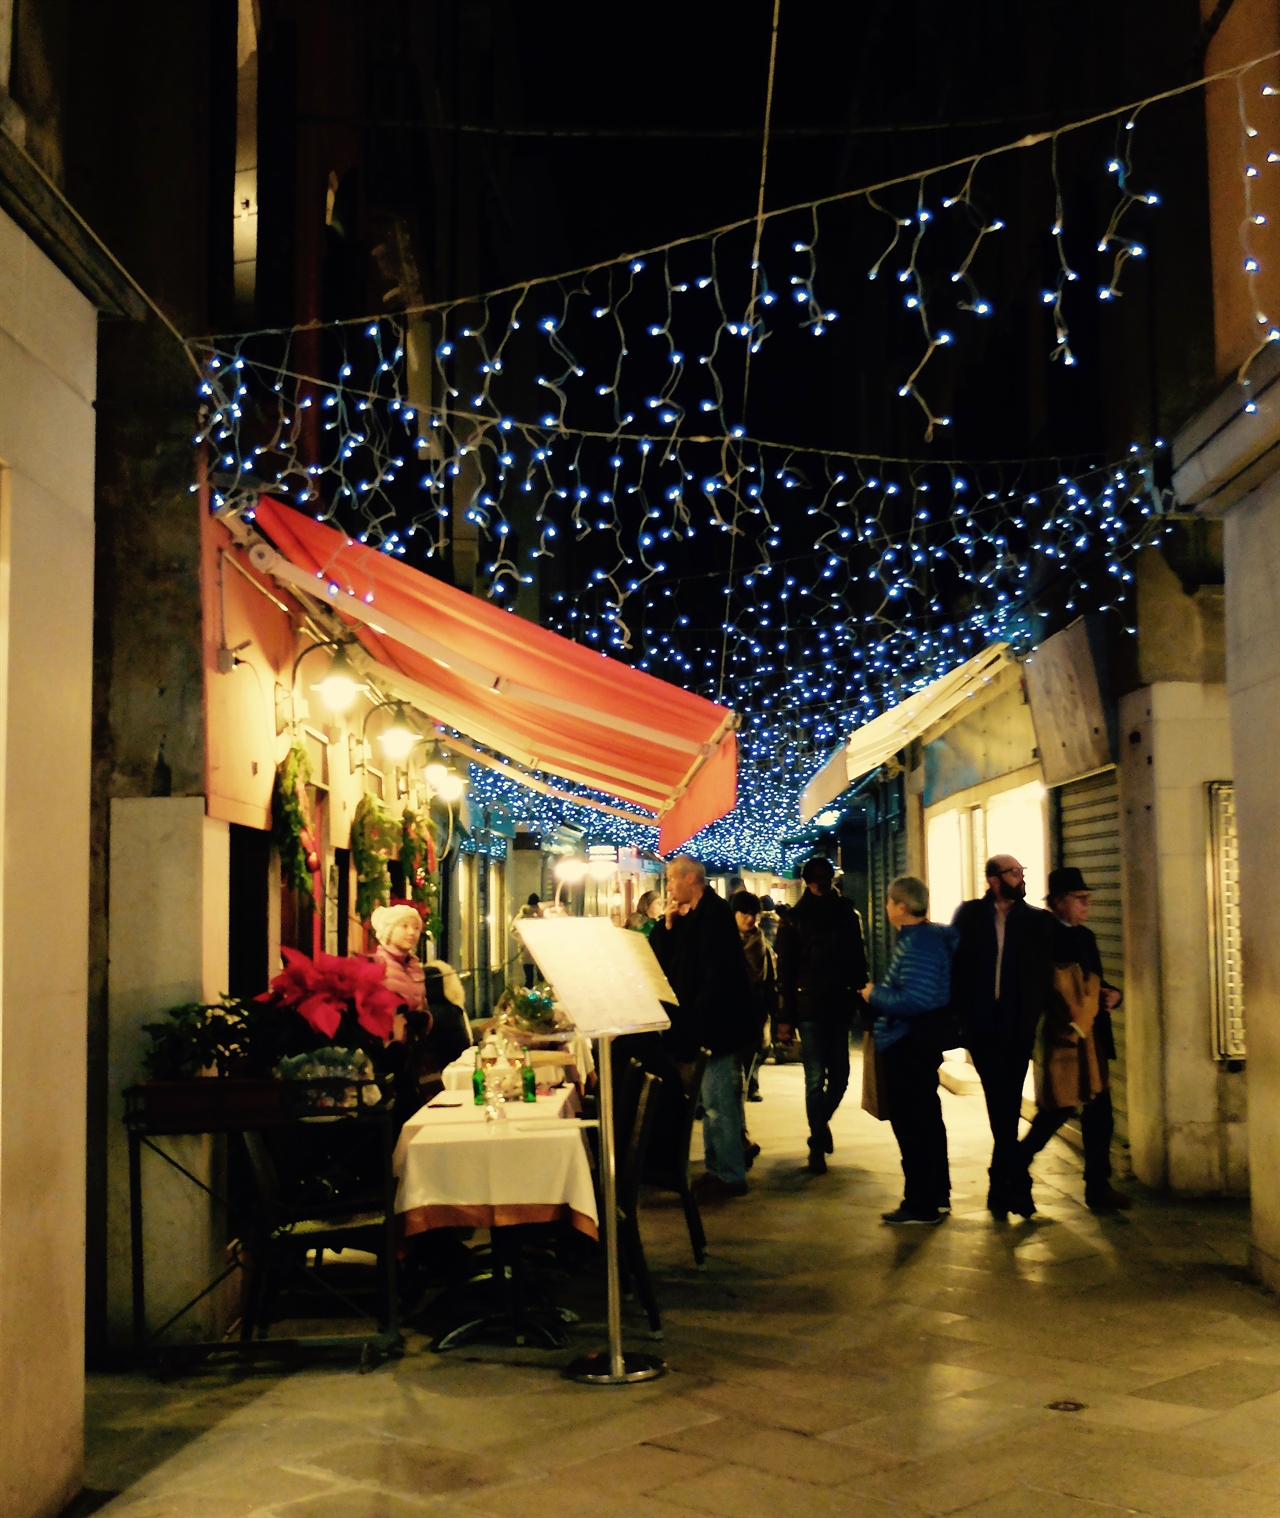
822 966
1002 986
1078 1077
909 1033
698 947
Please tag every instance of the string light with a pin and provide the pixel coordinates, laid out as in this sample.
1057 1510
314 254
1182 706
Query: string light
594 407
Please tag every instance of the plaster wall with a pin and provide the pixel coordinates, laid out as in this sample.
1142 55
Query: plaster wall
48 337
1188 1128
1252 554
170 874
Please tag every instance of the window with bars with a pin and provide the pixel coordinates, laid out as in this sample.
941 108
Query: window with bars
1225 969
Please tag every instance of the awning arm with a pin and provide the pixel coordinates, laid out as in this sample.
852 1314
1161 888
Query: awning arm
269 561
510 772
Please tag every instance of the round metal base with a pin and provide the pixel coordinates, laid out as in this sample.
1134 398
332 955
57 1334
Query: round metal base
593 1369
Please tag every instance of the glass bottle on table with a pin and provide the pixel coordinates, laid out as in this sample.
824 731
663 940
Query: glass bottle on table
478 1081
528 1079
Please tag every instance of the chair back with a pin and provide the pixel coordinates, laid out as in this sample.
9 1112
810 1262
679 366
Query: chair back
266 1180
632 1155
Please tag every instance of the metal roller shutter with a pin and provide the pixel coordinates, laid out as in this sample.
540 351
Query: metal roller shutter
1089 838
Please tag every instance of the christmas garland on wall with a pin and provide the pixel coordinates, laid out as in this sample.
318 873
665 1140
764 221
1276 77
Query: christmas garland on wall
291 824
418 860
376 838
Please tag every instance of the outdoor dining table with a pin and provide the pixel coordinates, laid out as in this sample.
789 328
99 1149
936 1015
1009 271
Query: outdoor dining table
456 1168
459 1168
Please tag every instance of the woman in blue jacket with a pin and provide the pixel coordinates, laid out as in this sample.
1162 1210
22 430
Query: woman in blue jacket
911 1003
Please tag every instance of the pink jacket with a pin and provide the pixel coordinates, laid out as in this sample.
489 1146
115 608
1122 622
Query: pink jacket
404 976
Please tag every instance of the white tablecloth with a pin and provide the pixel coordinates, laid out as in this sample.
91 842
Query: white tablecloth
458 1170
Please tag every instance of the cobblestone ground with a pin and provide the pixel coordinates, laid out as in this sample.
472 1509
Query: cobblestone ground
821 1364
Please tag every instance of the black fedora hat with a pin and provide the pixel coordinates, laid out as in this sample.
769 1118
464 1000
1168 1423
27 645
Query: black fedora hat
1063 882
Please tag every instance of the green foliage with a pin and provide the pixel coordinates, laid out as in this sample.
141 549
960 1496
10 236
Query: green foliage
418 860
203 1036
375 838
290 817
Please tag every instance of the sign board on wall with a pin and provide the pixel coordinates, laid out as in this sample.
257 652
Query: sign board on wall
1070 704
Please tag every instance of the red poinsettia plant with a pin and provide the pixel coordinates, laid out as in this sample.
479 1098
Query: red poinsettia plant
327 988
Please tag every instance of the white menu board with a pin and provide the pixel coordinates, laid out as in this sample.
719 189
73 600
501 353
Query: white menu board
607 979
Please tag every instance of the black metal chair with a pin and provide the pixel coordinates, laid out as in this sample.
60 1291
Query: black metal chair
283 1231
632 1146
666 1166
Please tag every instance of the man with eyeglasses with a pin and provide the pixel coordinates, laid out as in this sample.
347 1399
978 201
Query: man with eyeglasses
1002 987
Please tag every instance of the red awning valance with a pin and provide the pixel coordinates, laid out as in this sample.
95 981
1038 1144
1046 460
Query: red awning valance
545 702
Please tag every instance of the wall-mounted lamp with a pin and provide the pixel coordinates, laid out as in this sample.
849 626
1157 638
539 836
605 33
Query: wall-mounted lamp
340 685
569 872
398 739
443 780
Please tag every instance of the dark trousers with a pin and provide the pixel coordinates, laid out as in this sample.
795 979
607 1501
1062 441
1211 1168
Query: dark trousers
530 976
1097 1123
1002 1069
824 1048
915 1115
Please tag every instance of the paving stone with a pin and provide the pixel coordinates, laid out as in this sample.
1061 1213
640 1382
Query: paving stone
822 1363
1226 1384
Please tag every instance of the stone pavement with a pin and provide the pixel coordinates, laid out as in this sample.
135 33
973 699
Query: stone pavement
821 1364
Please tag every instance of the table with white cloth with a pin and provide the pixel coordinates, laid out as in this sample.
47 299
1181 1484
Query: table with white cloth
577 1064
456 1168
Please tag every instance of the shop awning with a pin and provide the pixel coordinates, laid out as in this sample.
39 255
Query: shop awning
869 746
538 698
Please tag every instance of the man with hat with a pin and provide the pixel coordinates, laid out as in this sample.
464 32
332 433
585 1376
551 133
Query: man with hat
822 966
1086 1049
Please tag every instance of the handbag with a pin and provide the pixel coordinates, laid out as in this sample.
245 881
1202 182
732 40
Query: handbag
875 1096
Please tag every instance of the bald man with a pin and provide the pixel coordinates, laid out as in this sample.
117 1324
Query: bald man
1001 989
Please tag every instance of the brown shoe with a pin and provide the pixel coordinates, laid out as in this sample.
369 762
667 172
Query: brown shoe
1106 1199
817 1162
710 1188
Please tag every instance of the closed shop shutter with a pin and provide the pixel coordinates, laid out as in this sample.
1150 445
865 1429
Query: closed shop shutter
1089 839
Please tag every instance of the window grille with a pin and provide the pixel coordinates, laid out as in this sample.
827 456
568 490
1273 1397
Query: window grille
1226 971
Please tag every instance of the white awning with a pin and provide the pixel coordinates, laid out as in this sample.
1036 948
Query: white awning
868 747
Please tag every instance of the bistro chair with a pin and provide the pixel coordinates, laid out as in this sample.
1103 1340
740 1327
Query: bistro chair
632 1146
666 1167
283 1231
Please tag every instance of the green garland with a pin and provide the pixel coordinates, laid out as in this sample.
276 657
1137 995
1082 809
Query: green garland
289 819
417 859
375 838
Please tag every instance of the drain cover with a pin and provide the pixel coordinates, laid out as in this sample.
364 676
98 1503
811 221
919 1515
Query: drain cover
1066 1406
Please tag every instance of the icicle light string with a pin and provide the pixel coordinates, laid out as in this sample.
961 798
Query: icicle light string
886 598
650 347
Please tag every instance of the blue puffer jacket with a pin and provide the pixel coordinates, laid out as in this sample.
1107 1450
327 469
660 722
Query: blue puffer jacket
919 980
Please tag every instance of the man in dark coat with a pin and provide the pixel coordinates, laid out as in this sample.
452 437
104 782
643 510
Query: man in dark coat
1068 900
822 966
698 947
1001 989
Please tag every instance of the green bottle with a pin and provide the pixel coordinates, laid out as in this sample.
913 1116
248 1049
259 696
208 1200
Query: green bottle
477 1081
528 1080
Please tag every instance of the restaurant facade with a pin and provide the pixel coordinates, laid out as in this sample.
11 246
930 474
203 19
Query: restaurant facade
346 699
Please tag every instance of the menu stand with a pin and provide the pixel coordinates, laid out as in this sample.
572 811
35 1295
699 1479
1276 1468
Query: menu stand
613 1366
607 982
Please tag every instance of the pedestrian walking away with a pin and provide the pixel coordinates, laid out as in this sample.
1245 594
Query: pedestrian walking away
911 1006
1002 979
531 908
1075 1073
697 944
822 966
762 970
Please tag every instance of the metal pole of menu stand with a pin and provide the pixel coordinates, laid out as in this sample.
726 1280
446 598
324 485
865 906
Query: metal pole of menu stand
611 1367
